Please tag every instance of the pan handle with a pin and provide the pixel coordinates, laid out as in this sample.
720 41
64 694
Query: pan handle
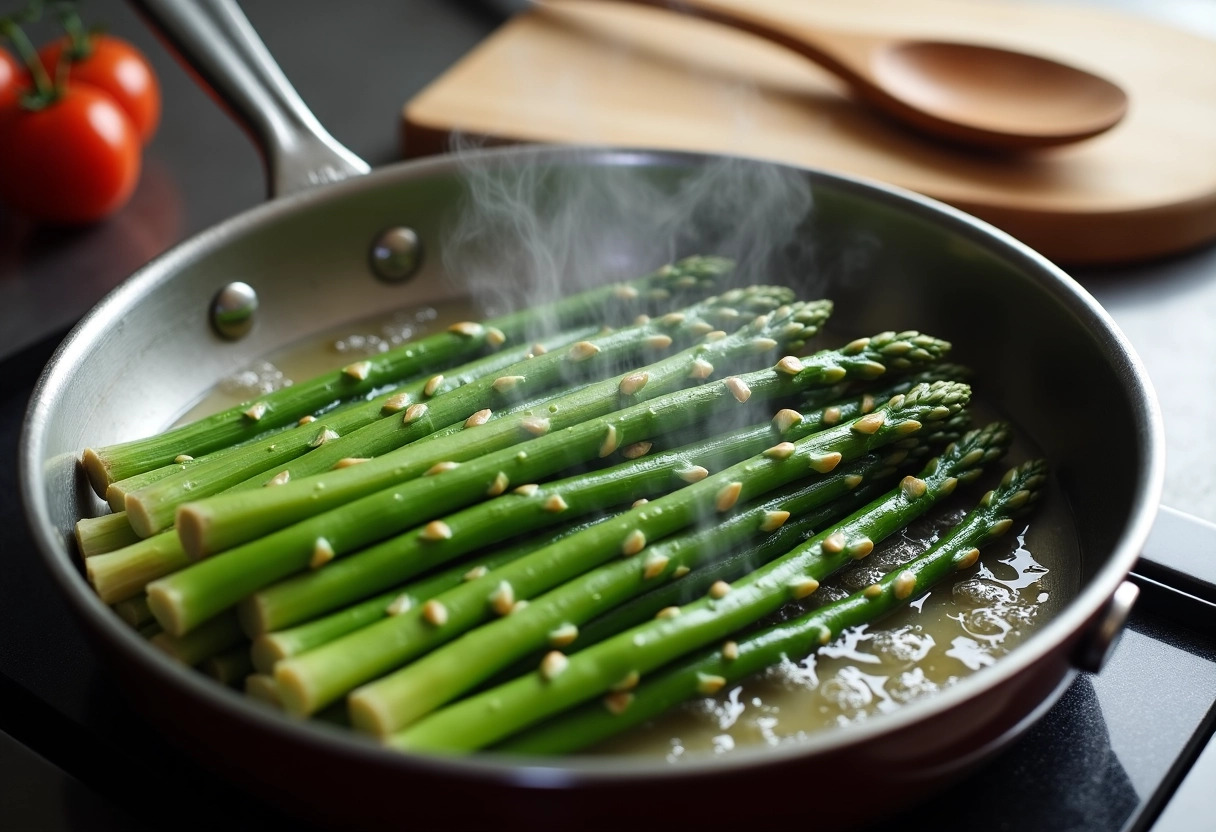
216 41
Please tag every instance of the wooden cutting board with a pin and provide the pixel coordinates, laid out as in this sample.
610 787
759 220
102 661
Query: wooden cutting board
612 74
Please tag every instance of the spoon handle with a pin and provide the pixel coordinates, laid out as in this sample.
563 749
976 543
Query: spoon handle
847 55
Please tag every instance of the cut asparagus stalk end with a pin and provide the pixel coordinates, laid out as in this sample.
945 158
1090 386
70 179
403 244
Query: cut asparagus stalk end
193 522
139 517
266 651
97 472
368 716
165 603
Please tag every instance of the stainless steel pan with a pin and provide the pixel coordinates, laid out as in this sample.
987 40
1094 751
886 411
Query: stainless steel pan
1053 361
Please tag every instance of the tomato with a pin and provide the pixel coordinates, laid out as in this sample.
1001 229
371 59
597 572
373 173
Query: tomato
11 79
73 161
118 68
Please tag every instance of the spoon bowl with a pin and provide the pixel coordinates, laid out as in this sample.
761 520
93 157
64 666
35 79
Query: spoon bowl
980 96
993 97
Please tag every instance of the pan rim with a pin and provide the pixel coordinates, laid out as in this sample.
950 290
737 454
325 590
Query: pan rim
588 770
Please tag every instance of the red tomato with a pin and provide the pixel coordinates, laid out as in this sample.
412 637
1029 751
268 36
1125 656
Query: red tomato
121 70
73 161
11 78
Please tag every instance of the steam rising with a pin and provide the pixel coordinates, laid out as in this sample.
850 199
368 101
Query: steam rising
530 232
534 228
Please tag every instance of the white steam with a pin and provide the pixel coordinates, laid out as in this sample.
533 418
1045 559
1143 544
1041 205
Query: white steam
538 226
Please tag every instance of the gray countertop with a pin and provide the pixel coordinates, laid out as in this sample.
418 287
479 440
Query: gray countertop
357 63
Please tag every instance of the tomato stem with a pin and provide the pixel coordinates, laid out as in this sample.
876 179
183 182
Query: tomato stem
80 39
45 90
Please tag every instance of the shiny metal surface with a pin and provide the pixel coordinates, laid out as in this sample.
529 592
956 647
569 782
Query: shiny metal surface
231 59
233 309
396 254
1104 635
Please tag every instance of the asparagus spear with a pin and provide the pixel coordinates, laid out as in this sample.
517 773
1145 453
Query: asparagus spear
124 573
156 494
394 701
98 535
216 636
394 560
114 462
314 679
564 682
956 551
188 597
271 647
223 521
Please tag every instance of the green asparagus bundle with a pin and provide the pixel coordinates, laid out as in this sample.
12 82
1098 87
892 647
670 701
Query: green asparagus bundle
745 560
736 660
274 646
186 598
306 595
377 547
563 682
156 494
124 573
442 400
398 558
394 701
223 521
118 575
317 678
340 528
461 342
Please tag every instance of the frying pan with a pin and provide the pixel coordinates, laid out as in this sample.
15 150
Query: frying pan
1055 364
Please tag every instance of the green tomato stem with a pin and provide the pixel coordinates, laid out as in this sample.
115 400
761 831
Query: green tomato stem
45 91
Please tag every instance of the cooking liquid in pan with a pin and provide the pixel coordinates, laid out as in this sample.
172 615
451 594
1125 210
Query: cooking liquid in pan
940 639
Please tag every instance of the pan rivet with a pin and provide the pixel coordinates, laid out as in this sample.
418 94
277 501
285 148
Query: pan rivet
233 308
396 254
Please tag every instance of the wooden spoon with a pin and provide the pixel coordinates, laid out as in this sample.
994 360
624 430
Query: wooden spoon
980 96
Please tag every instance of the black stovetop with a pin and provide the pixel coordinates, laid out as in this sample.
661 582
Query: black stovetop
1108 756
